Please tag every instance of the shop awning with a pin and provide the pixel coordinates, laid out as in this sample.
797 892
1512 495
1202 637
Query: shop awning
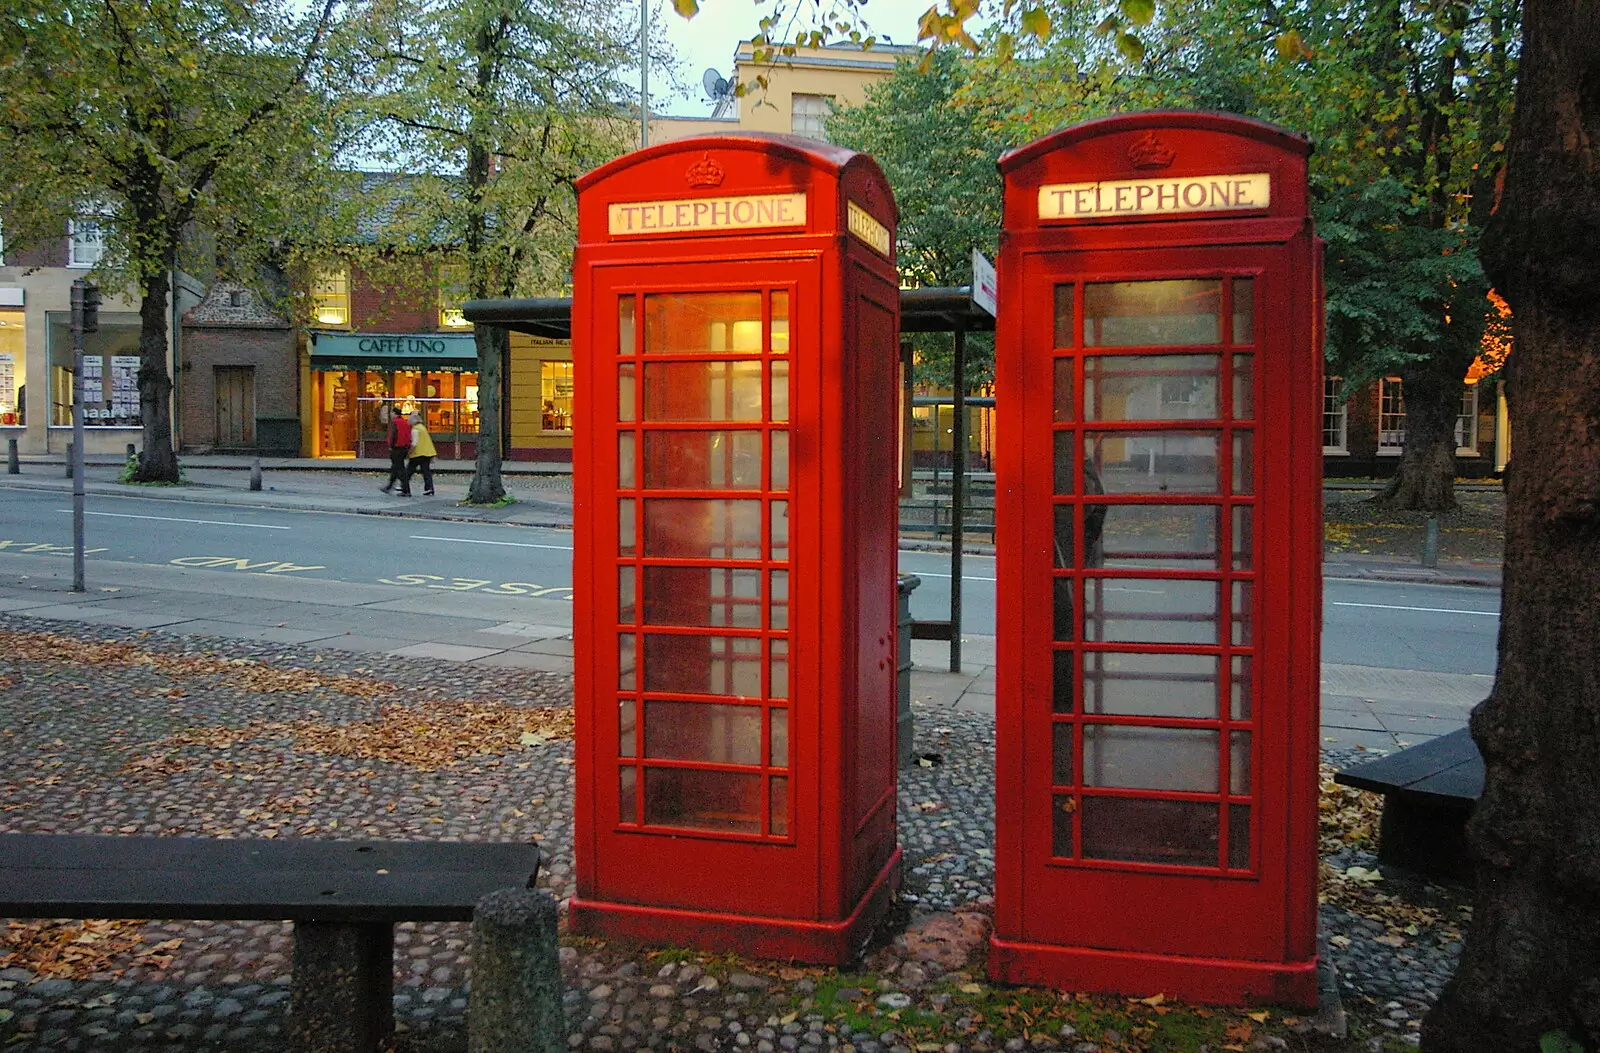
440 352
937 310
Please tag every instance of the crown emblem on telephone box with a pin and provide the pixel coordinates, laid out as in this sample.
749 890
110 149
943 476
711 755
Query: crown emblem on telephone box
1150 152
705 172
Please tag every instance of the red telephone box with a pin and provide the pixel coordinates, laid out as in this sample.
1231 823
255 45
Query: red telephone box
1159 562
735 346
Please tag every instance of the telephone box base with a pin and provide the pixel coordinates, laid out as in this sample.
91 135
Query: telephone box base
817 942
1210 980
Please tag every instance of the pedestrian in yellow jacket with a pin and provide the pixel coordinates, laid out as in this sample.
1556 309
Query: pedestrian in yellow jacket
422 455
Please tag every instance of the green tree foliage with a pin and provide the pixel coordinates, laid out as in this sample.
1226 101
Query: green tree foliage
1407 104
936 148
162 116
493 108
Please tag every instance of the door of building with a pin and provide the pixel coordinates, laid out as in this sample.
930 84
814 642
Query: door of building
236 406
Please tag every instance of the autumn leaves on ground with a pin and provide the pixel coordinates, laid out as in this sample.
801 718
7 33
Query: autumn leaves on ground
141 734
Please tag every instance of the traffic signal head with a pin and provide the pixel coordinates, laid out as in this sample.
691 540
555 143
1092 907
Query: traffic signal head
91 308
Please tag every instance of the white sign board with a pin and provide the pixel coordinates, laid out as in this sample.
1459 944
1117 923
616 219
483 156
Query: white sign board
985 286
1151 197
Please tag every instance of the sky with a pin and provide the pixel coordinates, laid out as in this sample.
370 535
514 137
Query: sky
709 40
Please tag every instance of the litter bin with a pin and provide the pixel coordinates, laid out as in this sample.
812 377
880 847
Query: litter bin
908 584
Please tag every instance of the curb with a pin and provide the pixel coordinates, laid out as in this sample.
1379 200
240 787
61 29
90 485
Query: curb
506 468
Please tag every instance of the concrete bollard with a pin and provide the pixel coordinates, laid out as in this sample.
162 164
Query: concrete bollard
515 1004
1430 543
133 451
69 460
255 474
13 465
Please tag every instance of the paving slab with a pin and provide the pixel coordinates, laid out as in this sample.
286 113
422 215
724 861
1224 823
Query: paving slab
1351 720
1407 726
1355 738
548 646
362 644
1405 685
939 689
266 633
443 651
543 663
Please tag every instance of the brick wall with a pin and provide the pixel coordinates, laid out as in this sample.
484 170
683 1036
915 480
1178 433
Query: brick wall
392 308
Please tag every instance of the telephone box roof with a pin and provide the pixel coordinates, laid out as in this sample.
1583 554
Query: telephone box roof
1198 120
824 156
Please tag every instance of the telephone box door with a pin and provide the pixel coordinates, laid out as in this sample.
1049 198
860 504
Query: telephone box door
1146 731
713 725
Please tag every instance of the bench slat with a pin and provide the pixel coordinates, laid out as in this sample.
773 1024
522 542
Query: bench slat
1448 766
47 875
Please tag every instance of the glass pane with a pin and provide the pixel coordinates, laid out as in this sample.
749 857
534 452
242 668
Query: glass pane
1063 629
1244 387
780 530
1243 616
625 340
1064 326
702 528
780 460
1143 610
1136 758
1239 836
1150 685
778 687
1244 470
1244 539
627 728
779 823
1140 462
779 755
627 795
1178 833
1150 387
625 391
697 731
702 460
780 322
1061 693
627 593
780 390
627 662
1061 826
1064 407
1063 463
702 391
723 801
1063 537
1061 751
1183 537
1153 314
779 603
627 536
709 596
625 461
702 665
1239 764
1244 310
702 322
1240 688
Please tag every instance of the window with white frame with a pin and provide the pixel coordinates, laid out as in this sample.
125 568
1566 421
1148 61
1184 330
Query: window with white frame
1391 417
330 295
86 241
1335 418
809 116
1467 423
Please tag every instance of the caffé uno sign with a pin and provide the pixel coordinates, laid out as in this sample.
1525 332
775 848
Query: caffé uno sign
394 345
1155 197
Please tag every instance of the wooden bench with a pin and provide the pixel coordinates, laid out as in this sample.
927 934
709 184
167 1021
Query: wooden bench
343 897
1429 791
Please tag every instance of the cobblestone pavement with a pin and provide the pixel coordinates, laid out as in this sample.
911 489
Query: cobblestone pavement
107 731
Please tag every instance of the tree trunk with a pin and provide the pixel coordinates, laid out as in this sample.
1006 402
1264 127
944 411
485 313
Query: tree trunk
1531 963
493 342
1425 479
158 462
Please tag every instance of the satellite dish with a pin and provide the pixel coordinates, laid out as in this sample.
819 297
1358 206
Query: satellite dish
719 90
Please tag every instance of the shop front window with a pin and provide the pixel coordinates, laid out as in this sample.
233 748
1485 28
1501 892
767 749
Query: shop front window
13 377
555 395
110 372
447 400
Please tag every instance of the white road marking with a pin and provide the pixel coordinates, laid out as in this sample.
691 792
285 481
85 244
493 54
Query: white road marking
170 519
475 541
936 574
1424 610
